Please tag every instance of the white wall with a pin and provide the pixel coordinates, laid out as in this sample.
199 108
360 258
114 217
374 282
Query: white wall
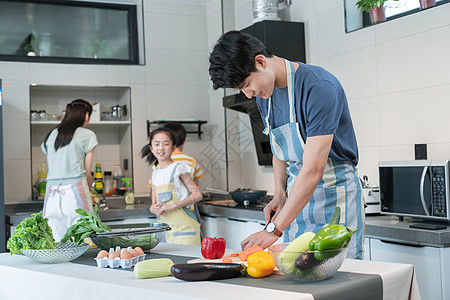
172 84
396 75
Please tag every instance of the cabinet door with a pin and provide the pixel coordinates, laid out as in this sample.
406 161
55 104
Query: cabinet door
210 227
426 261
367 249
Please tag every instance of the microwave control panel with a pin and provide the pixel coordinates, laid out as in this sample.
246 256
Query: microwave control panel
439 192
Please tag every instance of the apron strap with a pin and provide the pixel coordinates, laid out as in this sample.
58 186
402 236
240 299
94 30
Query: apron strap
290 85
172 175
290 75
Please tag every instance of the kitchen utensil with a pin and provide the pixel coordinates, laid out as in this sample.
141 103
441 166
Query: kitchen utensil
241 195
62 253
146 236
252 196
304 266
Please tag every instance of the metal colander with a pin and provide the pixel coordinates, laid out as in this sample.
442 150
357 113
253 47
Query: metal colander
62 253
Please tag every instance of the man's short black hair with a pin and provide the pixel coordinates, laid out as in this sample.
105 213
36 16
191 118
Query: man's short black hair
178 132
233 59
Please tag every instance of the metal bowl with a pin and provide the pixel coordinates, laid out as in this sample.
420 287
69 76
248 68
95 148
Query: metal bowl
62 253
309 265
146 236
252 196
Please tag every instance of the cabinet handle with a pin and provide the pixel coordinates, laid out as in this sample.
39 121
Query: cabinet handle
401 244
231 219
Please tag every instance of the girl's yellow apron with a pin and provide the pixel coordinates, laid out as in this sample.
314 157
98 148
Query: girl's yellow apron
185 227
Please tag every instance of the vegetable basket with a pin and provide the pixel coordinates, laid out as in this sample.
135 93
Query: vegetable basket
146 236
62 253
308 265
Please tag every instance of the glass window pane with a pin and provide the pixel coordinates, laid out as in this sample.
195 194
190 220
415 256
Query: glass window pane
57 30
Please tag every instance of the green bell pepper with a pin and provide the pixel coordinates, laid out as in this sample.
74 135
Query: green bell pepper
331 237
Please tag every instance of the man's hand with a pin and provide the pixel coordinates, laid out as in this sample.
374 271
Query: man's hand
273 208
262 238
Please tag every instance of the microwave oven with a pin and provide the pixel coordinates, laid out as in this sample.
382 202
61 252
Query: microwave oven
418 188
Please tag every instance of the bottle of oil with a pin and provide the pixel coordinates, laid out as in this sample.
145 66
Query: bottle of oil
98 175
42 181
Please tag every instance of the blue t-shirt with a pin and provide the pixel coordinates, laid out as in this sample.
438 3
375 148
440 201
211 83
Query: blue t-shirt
66 166
321 108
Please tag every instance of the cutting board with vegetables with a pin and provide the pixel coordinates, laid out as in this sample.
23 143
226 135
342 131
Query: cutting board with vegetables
234 259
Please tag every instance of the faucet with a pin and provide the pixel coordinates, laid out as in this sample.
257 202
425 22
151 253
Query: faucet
102 204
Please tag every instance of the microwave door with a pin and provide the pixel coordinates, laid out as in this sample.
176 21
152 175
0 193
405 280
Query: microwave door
422 195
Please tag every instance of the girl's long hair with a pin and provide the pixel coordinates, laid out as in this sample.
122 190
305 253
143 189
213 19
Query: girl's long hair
146 152
74 118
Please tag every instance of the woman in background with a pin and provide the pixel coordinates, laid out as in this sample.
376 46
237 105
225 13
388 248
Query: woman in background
70 151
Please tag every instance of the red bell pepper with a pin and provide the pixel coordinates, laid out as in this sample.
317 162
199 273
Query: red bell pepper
213 247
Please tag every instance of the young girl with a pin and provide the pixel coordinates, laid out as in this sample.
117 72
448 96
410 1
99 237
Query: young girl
70 150
173 191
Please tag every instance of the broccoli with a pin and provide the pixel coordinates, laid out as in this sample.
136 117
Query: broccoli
32 233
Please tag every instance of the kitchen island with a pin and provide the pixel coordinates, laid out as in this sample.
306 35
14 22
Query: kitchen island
20 276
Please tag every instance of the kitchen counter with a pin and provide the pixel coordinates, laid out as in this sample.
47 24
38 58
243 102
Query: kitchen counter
387 228
117 210
77 281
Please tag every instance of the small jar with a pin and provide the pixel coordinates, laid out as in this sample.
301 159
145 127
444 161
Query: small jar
108 183
106 116
42 115
34 115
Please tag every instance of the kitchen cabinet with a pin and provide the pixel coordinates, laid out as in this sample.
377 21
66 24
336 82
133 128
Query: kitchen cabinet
114 137
431 265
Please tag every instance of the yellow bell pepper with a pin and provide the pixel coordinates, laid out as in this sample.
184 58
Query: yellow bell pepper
260 264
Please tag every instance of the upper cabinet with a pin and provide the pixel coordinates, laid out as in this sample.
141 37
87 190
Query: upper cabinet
68 32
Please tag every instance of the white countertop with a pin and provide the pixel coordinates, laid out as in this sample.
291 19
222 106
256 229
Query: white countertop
22 278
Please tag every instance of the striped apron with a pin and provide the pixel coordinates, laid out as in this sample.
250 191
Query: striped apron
185 228
60 204
339 186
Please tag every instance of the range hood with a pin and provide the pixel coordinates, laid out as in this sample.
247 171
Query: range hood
284 39
241 103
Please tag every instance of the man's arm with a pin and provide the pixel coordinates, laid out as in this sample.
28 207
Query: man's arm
315 158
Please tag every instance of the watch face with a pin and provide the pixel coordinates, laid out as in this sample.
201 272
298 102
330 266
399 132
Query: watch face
270 227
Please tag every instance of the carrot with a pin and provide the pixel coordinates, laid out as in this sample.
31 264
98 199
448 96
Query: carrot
234 254
247 252
227 260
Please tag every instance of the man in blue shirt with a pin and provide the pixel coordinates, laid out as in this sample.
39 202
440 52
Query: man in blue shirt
306 115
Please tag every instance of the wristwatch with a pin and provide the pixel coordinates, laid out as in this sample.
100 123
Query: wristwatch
271 228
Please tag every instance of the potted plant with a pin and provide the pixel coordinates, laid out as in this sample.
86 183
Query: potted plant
427 3
375 8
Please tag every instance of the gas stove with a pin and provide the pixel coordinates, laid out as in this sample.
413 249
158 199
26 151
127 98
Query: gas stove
226 201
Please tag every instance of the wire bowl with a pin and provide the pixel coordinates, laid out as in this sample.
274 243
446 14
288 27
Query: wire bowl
145 236
309 265
62 253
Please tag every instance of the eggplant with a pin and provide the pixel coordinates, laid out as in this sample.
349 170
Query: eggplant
307 261
207 271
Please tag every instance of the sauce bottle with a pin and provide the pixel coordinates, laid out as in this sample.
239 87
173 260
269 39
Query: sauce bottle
117 179
42 181
98 175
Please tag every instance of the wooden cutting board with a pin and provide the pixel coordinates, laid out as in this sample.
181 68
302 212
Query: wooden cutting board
235 260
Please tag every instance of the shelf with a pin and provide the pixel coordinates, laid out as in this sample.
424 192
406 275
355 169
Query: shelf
162 122
91 123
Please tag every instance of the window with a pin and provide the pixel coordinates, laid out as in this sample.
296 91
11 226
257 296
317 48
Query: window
68 32
355 20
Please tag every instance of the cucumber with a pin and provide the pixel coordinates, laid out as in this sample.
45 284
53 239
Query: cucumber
292 251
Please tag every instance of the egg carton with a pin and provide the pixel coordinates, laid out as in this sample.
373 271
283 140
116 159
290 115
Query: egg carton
119 263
